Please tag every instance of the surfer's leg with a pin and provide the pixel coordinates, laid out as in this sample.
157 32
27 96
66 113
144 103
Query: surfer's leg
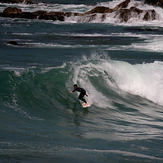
81 97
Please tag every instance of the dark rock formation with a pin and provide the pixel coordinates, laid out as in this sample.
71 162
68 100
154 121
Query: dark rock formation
52 16
99 9
126 14
123 14
14 12
13 43
122 5
17 1
133 12
150 15
102 9
158 3
121 11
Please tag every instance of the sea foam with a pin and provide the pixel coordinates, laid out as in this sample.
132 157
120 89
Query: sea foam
144 80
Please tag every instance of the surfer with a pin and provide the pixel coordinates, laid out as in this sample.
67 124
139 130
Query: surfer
82 93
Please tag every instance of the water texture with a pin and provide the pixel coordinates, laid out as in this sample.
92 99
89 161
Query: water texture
119 64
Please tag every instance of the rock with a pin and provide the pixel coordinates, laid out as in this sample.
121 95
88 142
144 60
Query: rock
122 5
126 14
68 14
17 1
133 12
40 12
158 3
123 14
52 16
28 15
99 9
13 43
102 9
12 10
150 15
121 11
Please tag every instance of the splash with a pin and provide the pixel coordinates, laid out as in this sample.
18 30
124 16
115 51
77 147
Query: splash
102 76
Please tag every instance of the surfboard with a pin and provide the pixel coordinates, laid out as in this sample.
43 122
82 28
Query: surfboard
85 105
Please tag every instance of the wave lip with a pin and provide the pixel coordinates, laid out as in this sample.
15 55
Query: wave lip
144 80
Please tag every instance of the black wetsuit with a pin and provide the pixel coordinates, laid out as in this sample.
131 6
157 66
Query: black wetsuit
82 93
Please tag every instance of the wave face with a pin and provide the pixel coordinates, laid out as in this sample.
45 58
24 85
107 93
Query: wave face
98 72
120 66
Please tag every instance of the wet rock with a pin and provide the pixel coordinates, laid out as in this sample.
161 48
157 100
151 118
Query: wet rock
122 5
13 43
102 9
126 14
121 11
52 16
123 14
99 9
150 15
14 12
11 12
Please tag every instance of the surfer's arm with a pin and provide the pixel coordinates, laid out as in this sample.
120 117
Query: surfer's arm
72 91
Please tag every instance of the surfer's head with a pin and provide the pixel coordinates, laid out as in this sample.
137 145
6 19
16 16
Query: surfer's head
75 85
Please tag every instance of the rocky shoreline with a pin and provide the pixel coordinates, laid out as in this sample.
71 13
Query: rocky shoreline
121 11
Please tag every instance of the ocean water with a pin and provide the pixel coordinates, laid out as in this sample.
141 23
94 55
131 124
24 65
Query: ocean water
119 64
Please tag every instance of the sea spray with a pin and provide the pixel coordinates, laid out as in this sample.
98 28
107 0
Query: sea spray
144 80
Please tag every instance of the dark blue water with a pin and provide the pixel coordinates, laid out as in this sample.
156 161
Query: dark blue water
119 64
